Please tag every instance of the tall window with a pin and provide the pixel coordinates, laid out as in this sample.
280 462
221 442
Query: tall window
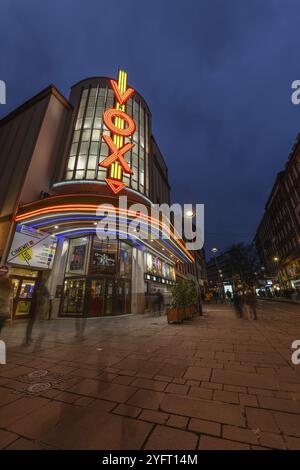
88 148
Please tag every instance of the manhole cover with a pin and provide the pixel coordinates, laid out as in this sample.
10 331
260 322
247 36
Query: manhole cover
41 387
38 373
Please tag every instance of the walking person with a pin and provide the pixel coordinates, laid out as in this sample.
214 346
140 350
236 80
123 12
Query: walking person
39 300
238 302
4 298
251 302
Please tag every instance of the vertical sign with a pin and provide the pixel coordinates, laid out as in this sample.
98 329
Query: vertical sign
121 125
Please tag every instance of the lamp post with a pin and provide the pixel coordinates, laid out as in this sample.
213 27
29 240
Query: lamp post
214 251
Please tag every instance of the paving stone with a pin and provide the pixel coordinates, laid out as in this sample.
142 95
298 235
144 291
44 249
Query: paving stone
166 438
248 400
293 443
69 427
199 392
245 379
6 438
146 399
103 390
272 440
212 386
210 410
288 423
228 397
177 389
215 443
205 427
20 408
123 380
279 404
198 373
235 388
261 419
239 434
177 421
154 416
127 410
149 384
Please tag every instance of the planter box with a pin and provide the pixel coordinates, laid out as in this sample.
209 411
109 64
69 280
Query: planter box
174 315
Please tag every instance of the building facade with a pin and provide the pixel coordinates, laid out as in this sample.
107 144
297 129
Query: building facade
278 235
60 160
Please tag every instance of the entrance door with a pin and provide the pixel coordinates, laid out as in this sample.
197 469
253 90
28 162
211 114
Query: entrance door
73 301
109 297
96 298
22 289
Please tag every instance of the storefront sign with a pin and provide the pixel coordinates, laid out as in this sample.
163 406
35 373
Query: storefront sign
32 248
121 125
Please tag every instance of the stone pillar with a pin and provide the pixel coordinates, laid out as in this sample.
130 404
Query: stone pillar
57 274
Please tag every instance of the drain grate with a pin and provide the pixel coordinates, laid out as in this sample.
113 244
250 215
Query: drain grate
38 373
39 387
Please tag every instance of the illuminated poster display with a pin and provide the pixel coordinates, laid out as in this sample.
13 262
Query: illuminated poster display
32 248
156 266
121 126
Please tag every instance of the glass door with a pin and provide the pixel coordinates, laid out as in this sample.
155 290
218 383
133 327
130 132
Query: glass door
109 297
22 291
96 298
73 302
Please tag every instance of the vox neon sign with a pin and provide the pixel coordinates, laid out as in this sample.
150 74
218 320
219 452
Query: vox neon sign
121 125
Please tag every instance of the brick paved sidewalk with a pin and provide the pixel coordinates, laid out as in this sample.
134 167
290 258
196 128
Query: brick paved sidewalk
136 382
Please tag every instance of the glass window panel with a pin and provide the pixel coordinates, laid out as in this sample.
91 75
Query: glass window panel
85 92
90 174
104 149
78 124
71 163
90 111
134 159
101 174
79 174
76 136
109 103
110 93
80 112
74 149
94 150
86 135
93 92
88 122
134 184
69 175
97 123
81 163
142 177
136 136
99 112
101 92
92 162
84 148
96 135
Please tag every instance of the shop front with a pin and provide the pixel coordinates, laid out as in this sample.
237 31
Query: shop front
97 279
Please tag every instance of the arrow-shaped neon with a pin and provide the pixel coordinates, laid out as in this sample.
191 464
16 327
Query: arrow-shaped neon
122 98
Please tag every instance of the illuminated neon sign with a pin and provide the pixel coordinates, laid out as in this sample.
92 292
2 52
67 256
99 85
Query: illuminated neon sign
121 125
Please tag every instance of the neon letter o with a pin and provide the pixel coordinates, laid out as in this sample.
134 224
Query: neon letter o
112 113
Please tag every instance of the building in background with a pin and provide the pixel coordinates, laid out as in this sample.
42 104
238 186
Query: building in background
278 235
51 185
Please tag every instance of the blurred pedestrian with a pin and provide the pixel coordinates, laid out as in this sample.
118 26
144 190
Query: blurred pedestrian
238 302
251 302
40 298
4 298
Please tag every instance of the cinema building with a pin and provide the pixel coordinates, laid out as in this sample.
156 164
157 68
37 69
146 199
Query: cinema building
62 158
